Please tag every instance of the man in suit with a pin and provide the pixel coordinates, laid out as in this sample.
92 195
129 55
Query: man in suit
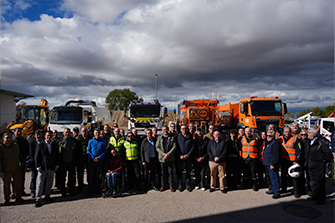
150 161
32 150
46 161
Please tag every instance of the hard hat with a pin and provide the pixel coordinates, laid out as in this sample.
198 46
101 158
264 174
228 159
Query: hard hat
295 171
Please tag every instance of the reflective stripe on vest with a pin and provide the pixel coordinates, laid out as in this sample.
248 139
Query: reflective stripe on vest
288 151
131 150
117 144
249 149
261 150
84 145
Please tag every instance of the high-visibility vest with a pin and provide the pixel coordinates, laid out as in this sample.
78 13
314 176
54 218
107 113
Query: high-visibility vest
288 150
84 145
117 144
261 150
277 135
131 150
249 149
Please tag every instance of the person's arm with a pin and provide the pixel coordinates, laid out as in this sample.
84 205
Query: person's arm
38 157
89 149
32 148
209 151
174 146
275 154
189 154
104 149
119 164
158 148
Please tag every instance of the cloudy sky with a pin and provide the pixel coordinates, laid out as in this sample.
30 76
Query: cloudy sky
83 49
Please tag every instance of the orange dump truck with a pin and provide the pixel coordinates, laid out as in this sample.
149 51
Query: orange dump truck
253 112
199 112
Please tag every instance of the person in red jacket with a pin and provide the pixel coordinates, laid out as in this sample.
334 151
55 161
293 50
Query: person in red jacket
113 168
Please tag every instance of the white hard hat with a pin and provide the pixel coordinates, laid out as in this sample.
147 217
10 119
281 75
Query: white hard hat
295 171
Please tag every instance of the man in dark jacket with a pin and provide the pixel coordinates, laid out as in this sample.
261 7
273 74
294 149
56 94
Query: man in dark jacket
317 155
67 148
184 153
200 158
46 162
217 151
166 148
150 161
10 168
81 157
32 150
24 151
271 160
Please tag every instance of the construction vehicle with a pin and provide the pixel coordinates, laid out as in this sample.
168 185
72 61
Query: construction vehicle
201 113
327 126
308 120
30 119
256 113
79 113
145 115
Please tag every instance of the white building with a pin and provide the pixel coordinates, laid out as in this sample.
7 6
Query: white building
8 101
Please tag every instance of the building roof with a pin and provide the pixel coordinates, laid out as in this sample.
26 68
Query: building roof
18 96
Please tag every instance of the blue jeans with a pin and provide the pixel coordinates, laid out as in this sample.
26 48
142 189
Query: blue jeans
111 179
274 175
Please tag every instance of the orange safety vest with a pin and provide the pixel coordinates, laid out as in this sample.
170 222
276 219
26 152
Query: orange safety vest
276 135
261 150
249 149
288 150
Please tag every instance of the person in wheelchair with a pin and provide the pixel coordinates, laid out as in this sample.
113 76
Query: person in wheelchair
113 169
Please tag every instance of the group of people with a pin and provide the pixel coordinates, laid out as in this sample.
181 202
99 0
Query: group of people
155 160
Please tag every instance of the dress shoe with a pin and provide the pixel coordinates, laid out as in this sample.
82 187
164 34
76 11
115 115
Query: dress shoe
296 195
180 188
49 199
32 195
6 203
38 204
161 189
211 190
19 200
188 188
155 188
321 202
12 196
224 191
276 196
171 189
269 192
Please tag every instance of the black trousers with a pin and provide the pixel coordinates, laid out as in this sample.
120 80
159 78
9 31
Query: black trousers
81 164
133 174
318 182
233 172
69 169
154 168
249 167
285 165
167 172
184 164
200 173
33 179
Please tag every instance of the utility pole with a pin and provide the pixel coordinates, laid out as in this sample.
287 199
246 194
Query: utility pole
156 85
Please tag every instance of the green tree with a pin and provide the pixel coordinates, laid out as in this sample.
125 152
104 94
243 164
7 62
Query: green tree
328 110
120 99
317 111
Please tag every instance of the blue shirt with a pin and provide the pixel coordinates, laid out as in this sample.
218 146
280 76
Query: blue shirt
96 148
152 148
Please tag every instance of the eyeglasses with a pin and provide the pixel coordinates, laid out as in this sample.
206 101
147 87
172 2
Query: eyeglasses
303 134
129 136
269 135
182 128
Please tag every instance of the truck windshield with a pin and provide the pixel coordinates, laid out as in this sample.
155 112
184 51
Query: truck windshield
66 116
145 111
30 114
266 108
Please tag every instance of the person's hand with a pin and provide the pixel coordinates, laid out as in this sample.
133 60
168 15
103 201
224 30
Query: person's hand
272 167
144 164
199 160
181 157
112 171
166 156
39 170
185 157
56 168
216 159
294 163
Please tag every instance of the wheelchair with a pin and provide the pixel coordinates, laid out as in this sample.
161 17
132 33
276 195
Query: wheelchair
107 192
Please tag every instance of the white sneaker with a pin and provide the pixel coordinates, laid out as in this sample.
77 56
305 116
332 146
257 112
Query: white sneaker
197 188
203 189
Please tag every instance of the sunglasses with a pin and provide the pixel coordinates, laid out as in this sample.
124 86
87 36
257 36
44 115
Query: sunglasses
303 134
269 135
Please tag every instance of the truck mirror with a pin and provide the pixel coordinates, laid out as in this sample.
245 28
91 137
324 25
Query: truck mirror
165 112
242 108
285 108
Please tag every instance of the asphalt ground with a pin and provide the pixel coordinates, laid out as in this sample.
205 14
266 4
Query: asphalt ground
154 206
